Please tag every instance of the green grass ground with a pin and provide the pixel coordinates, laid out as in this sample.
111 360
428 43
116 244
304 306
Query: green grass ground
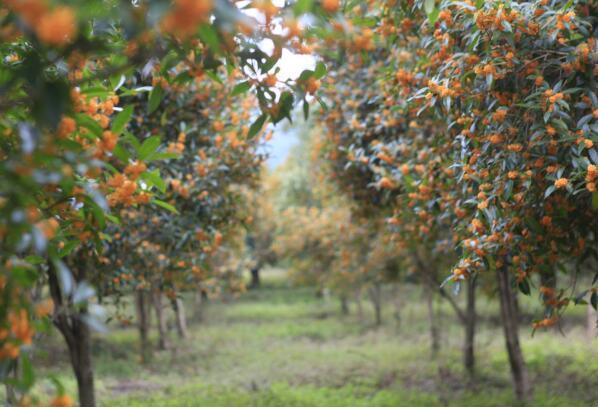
282 346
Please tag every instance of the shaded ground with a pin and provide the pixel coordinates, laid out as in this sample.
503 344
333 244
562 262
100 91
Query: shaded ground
282 346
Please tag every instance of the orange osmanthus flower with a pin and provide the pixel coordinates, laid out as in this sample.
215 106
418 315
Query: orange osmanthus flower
57 27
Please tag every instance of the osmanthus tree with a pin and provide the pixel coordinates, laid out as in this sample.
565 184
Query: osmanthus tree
311 252
261 225
309 224
511 86
212 160
376 138
325 241
359 148
525 118
62 73
306 229
366 262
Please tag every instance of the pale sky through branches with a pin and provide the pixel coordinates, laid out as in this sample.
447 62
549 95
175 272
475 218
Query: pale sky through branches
291 65
285 137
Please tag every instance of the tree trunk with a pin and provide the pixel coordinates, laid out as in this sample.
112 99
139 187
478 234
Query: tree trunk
344 305
319 292
11 393
470 325
78 340
160 319
510 323
76 332
548 278
359 305
142 305
397 303
376 298
434 332
81 358
198 306
255 278
181 321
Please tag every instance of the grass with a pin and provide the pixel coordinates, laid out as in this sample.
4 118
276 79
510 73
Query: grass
282 346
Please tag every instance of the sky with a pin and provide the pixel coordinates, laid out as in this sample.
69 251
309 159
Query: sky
281 145
285 136
291 65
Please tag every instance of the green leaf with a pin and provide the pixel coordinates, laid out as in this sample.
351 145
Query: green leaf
122 119
97 212
241 88
209 36
305 109
285 104
269 64
34 259
524 287
116 81
121 153
155 98
57 384
132 140
163 156
320 70
68 248
508 189
257 125
27 373
303 6
165 205
148 147
86 121
321 102
113 219
153 178
305 75
95 91
169 61
595 201
214 77
433 16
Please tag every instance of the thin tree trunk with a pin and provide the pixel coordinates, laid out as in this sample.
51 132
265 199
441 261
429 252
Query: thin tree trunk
181 321
344 305
142 305
434 333
78 340
255 278
160 319
359 305
510 322
81 358
397 303
11 392
319 292
198 306
77 335
548 278
376 298
470 325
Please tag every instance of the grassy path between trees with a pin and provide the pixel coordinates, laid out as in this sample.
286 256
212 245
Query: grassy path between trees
282 346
